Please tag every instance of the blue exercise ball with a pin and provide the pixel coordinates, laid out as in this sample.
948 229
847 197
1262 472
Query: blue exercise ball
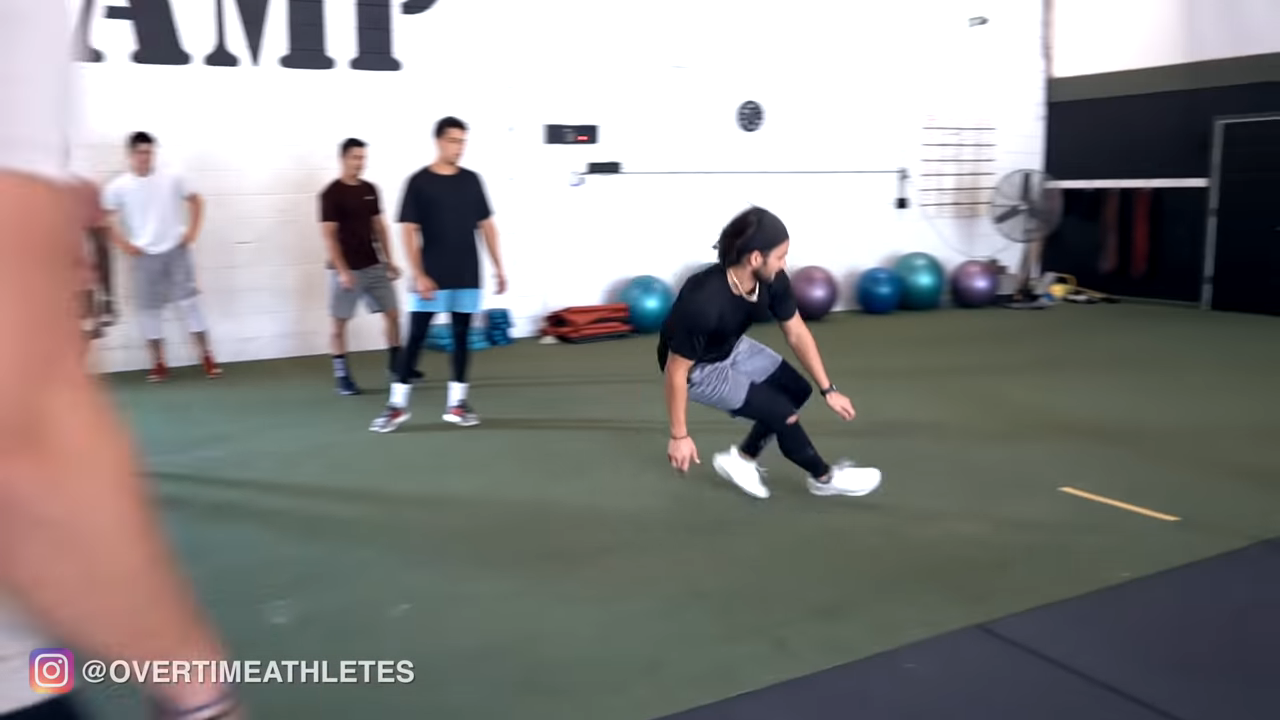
923 280
648 300
879 291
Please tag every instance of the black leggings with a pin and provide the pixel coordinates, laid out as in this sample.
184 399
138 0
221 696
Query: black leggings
102 256
101 288
771 403
419 323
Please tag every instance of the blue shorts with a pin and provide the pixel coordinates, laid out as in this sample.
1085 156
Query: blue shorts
466 300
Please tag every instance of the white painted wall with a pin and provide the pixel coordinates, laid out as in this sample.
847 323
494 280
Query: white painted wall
1098 36
844 86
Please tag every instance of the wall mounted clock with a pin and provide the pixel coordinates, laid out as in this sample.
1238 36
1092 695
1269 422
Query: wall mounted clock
750 116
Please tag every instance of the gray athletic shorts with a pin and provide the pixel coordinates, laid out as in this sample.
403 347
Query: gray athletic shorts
723 385
164 278
371 283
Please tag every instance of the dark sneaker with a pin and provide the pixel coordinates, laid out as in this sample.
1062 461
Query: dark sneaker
415 377
347 386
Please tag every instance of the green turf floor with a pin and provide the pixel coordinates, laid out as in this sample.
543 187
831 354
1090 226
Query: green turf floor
549 565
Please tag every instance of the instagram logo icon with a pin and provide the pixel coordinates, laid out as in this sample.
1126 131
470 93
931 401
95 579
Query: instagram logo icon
52 670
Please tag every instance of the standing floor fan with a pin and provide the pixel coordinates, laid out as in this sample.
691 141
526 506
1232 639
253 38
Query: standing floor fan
1026 209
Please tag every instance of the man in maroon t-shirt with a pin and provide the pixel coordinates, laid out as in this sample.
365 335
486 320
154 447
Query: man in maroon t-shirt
359 262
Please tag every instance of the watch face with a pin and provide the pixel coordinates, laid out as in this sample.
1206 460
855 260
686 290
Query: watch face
750 116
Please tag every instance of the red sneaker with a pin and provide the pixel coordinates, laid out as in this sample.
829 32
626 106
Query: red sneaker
211 369
159 373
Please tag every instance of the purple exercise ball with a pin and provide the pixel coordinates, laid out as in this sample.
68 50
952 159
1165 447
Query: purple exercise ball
815 291
974 284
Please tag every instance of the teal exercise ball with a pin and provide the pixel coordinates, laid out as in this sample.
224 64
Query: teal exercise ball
648 300
923 280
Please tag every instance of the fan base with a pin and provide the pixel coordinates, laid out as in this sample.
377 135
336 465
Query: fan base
1037 304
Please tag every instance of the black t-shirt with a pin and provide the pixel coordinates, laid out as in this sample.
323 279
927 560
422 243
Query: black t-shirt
447 208
708 318
353 208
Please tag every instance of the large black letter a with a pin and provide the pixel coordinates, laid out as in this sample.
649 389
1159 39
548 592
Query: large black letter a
152 26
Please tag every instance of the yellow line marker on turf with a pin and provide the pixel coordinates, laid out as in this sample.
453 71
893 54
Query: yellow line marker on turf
1121 505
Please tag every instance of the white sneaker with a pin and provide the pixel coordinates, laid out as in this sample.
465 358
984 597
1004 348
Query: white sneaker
390 419
847 479
741 471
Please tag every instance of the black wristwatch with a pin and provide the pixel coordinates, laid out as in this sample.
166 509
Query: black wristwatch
828 390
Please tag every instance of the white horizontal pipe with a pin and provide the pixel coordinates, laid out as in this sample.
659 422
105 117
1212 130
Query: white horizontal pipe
1146 183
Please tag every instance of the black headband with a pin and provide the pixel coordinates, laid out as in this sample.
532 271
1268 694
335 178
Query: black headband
770 232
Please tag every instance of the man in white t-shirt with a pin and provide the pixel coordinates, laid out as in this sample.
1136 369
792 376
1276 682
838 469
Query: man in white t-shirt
155 218
83 557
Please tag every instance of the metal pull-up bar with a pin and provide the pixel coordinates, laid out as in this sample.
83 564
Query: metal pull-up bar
615 168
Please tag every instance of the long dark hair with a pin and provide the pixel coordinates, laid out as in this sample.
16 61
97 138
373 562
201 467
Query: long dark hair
754 229
730 245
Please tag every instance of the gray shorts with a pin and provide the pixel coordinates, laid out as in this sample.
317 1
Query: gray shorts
723 385
164 278
371 283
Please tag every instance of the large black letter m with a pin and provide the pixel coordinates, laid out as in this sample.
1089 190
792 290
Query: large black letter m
253 18
306 35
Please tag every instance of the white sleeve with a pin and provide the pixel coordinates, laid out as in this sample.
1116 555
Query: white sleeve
111 200
35 87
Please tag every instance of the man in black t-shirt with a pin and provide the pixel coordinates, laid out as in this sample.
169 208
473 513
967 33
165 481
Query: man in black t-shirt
359 259
442 206
706 357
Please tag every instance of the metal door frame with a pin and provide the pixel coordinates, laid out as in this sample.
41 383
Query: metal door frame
1215 187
